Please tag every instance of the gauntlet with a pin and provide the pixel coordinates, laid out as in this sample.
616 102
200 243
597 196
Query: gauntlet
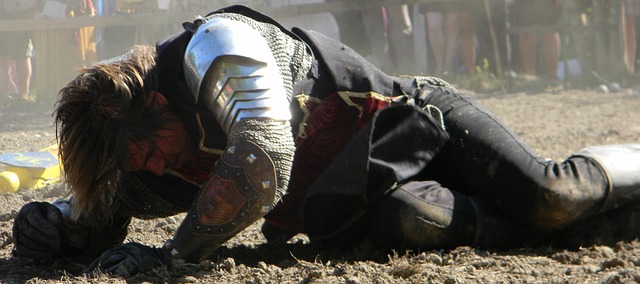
42 230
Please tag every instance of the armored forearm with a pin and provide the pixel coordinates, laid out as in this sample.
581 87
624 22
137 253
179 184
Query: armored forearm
241 190
249 179
231 67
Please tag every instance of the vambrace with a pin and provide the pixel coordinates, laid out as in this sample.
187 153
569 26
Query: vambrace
240 191
243 188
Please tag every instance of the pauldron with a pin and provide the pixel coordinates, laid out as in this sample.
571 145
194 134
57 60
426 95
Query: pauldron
230 66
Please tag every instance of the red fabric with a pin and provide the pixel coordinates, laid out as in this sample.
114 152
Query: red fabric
198 170
330 125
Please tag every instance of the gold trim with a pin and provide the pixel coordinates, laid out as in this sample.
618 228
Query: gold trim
180 176
347 95
201 147
202 136
303 100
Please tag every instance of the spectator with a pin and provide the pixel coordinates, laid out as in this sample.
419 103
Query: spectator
16 49
351 28
450 30
375 24
321 22
85 35
362 30
537 14
491 39
114 40
399 31
576 48
631 10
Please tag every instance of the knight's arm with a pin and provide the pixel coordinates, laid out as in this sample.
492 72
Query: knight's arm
231 68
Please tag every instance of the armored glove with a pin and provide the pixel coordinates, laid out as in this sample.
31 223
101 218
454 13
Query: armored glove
35 232
40 231
130 258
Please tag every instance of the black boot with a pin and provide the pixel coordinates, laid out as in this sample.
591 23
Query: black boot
424 215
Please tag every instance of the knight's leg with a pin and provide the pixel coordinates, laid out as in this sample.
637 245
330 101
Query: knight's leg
486 158
424 215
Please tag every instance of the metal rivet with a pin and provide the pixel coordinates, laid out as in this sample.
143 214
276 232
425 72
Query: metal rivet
251 158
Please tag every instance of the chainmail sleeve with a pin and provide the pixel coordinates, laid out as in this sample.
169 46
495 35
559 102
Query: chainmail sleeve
275 138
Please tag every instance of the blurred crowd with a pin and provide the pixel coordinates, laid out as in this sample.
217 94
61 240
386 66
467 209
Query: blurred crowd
553 40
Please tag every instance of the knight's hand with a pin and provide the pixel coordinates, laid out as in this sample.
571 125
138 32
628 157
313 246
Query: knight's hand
36 231
129 259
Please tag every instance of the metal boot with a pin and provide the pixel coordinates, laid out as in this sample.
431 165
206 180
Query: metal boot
621 165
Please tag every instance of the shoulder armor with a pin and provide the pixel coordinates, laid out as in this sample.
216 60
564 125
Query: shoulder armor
230 66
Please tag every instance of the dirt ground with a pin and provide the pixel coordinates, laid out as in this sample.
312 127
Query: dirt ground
555 123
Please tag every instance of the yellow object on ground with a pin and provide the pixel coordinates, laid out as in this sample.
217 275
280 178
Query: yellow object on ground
9 182
30 170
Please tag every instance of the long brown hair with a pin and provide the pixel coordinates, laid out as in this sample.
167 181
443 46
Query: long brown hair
96 115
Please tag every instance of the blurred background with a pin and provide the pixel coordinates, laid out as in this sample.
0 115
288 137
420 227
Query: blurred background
482 45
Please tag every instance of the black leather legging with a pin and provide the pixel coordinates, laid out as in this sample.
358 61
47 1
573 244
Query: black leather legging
485 158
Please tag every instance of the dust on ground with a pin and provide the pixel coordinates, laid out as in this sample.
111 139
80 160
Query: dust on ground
555 123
